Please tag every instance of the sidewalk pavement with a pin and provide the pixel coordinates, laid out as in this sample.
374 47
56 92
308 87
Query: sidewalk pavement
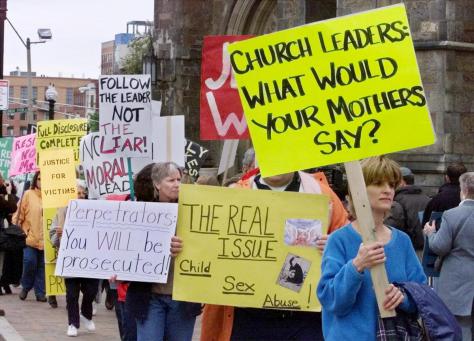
30 320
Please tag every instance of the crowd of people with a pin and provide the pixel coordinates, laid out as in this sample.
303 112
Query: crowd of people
404 225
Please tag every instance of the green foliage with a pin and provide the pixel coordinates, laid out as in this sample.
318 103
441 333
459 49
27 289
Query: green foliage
94 122
133 62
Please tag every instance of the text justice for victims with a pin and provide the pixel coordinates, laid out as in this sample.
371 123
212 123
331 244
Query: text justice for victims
287 51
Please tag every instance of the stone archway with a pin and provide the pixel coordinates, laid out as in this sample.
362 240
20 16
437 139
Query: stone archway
252 17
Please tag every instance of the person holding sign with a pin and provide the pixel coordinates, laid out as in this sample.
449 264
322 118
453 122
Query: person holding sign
345 289
29 216
158 315
453 242
225 323
74 285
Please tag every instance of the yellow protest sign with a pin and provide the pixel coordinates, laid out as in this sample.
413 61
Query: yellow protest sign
50 252
332 91
249 248
58 177
61 134
54 285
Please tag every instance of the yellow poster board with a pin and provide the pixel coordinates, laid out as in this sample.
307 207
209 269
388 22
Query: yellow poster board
61 134
50 252
54 285
58 177
249 248
332 91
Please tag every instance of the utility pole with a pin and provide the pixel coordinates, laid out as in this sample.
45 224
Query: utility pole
3 16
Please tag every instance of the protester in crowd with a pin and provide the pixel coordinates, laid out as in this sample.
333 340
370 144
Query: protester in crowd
8 201
126 321
449 193
158 315
454 242
225 323
75 285
345 290
248 161
186 178
29 216
7 206
232 182
208 180
409 201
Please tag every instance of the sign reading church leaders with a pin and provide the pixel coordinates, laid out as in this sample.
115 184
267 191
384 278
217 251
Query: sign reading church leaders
128 239
252 249
334 91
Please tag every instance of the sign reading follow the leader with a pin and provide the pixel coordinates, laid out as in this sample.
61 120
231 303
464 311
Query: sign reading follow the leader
125 114
249 248
333 91
124 238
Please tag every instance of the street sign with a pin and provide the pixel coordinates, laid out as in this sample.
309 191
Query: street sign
3 95
14 110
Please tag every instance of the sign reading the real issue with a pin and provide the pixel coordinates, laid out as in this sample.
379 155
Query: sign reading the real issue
337 90
249 248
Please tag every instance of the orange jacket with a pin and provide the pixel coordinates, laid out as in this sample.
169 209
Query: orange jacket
217 320
29 215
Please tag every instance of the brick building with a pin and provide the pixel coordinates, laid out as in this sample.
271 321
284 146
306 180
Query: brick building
443 31
71 102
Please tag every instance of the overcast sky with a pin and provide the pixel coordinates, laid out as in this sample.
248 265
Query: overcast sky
78 28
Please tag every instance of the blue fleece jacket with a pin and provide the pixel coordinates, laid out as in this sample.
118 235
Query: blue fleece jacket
348 299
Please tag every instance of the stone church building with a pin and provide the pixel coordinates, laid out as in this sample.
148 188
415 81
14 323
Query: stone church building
443 34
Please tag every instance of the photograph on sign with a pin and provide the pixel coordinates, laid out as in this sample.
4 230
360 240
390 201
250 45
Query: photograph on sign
334 91
294 272
303 232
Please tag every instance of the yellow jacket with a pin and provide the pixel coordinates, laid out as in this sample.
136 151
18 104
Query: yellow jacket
29 215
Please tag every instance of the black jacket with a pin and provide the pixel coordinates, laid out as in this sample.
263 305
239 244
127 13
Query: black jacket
448 197
404 215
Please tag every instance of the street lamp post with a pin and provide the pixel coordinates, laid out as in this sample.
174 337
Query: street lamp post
44 34
51 96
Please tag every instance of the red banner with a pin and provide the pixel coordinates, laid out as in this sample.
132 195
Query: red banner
222 115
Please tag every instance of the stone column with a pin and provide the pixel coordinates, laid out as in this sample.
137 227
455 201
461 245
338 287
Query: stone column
443 34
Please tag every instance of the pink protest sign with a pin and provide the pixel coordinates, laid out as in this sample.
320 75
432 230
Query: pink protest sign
23 155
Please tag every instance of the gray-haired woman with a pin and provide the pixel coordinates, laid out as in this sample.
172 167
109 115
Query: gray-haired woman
454 241
158 315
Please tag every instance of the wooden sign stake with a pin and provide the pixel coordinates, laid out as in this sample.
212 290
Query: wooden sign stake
363 211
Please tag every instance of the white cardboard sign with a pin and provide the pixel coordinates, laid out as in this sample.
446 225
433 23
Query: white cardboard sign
125 114
168 139
124 238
